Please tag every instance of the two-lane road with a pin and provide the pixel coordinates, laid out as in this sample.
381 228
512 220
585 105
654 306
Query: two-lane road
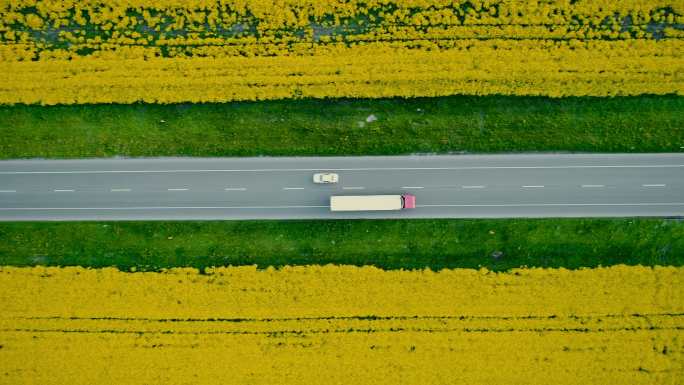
458 186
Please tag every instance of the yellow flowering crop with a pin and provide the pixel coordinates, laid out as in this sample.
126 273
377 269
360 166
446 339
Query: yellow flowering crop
341 325
167 51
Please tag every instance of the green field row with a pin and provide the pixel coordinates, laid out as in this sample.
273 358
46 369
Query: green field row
409 244
346 127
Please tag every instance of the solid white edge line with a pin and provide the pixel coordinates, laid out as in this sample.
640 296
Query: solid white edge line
293 188
533 186
159 208
593 185
315 206
177 189
8 191
653 185
63 190
345 169
559 204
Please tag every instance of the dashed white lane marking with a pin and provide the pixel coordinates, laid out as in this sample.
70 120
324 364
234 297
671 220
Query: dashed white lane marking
8 191
653 185
413 187
593 185
293 188
64 190
353 188
177 189
478 186
120 190
235 189
533 186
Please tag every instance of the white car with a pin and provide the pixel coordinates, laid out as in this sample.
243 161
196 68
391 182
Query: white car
326 177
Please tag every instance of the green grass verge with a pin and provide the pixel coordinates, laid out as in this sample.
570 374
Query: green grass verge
570 243
339 127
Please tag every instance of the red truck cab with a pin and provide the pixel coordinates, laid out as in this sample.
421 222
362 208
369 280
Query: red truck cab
409 201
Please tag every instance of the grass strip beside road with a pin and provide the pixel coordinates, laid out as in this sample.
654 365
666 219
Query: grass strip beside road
346 127
405 244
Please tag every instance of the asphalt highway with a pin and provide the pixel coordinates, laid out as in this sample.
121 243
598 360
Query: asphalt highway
454 186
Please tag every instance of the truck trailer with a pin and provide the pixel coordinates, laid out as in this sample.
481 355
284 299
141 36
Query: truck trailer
372 202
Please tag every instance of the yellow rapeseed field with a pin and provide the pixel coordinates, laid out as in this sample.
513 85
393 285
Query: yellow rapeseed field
342 325
167 51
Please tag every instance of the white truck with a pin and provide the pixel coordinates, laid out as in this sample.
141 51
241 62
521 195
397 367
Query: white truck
372 202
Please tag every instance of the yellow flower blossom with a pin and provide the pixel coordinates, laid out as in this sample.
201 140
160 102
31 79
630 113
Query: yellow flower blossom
555 48
341 325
